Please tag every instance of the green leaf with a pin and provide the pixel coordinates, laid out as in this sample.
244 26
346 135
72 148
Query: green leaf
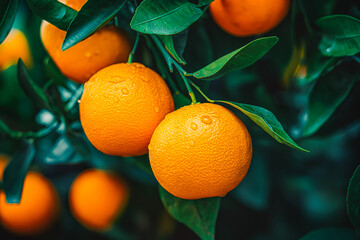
170 47
180 100
238 59
142 162
54 12
74 98
53 72
78 143
31 89
328 93
267 121
15 172
331 234
92 16
199 215
342 35
8 10
353 199
165 17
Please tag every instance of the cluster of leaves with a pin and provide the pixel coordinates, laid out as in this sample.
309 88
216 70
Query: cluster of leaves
165 27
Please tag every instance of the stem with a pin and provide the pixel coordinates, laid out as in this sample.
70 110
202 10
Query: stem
181 71
201 92
132 53
164 72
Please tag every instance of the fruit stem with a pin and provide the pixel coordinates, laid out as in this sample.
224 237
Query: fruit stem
201 92
132 53
181 71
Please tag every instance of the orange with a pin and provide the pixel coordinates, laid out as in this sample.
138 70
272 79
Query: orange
14 46
38 208
248 17
3 161
200 151
121 106
97 198
106 46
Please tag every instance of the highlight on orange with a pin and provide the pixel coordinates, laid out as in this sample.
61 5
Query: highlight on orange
107 46
248 17
38 209
15 46
97 198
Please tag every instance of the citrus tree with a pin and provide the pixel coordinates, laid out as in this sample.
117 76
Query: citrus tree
159 119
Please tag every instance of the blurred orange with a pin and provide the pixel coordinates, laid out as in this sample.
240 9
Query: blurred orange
15 46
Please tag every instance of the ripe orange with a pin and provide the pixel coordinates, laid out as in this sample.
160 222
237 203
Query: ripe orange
38 208
14 46
106 46
248 17
200 151
97 198
121 106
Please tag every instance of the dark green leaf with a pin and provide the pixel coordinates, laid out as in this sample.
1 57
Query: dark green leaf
180 41
328 93
53 72
75 98
54 12
32 90
353 199
92 16
165 17
170 47
331 234
142 162
65 152
180 100
78 143
238 59
15 172
8 9
199 215
342 35
267 121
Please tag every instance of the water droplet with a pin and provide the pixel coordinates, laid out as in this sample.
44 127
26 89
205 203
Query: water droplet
88 54
193 126
206 119
125 91
156 109
78 101
215 115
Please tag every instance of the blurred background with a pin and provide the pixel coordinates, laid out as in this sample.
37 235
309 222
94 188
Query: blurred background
286 193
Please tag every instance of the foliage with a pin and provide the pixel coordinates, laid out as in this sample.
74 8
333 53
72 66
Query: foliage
304 73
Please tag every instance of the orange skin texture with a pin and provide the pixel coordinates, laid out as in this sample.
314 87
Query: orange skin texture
200 151
15 46
97 198
121 106
248 17
105 47
38 208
